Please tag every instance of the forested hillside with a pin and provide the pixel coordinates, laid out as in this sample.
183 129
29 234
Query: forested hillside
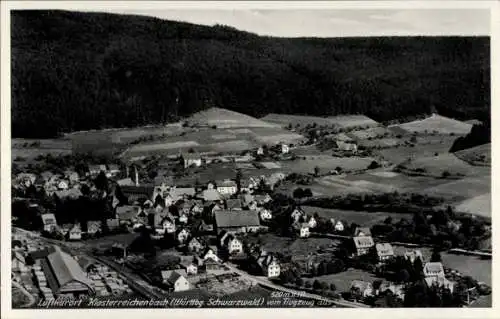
77 71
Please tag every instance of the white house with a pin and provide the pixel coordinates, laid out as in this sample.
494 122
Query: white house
168 225
183 218
227 187
209 254
312 222
265 214
297 214
232 244
269 265
304 230
260 151
337 225
176 279
285 149
63 184
49 222
189 266
75 233
384 251
363 244
191 159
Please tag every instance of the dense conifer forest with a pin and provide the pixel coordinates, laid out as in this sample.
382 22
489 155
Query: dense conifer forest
78 71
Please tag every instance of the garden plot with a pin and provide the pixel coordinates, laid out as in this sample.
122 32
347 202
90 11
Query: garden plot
223 136
270 165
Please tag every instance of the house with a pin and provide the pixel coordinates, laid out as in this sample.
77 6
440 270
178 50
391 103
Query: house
94 170
233 245
363 244
127 213
285 149
265 214
260 151
303 229
183 218
72 176
137 193
203 227
176 279
197 207
49 222
178 193
337 225
113 170
195 245
191 160
168 225
125 182
18 262
93 227
384 251
75 233
433 269
209 253
361 289
269 265
297 214
189 266
64 275
26 179
113 223
211 195
244 221
227 187
413 254
345 146
262 199
183 235
233 204
62 184
440 282
312 222
362 231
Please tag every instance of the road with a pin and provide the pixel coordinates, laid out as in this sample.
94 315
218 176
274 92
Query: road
265 282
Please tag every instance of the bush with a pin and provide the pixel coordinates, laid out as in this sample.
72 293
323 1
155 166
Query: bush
373 165
445 174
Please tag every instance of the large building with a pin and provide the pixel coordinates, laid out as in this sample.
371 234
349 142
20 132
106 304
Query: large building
237 221
65 276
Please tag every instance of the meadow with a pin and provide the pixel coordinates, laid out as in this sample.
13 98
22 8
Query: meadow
439 124
366 219
325 163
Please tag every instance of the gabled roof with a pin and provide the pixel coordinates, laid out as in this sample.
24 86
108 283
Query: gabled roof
433 268
171 276
226 183
48 219
66 269
225 218
363 242
233 203
364 230
211 195
384 249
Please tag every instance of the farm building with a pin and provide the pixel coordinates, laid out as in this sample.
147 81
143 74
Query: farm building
49 222
384 251
242 221
227 187
176 279
64 275
363 244
191 159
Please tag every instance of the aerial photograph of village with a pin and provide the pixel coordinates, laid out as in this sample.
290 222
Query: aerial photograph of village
159 161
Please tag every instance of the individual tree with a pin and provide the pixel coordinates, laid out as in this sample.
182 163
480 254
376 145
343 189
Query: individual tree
333 287
299 282
403 276
316 171
316 285
101 182
436 256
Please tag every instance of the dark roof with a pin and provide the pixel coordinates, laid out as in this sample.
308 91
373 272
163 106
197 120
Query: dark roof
66 269
225 218
365 230
146 190
233 203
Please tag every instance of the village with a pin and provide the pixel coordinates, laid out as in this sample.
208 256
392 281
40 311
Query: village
197 224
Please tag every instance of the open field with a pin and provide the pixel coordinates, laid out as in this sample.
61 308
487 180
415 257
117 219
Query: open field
28 149
395 181
436 165
381 142
326 163
425 147
479 155
373 132
343 280
349 121
302 120
367 219
223 118
478 205
437 123
464 188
